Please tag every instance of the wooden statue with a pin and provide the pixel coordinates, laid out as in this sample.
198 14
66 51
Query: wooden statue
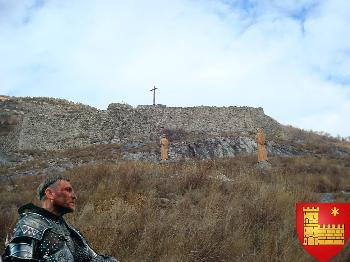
261 143
164 142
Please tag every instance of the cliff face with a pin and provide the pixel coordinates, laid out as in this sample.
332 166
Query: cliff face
53 124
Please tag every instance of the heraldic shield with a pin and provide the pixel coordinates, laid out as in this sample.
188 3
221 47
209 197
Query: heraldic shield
323 228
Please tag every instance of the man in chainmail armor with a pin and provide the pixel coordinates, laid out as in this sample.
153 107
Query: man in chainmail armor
41 233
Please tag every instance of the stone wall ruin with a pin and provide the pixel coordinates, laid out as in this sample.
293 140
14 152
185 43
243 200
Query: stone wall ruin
55 124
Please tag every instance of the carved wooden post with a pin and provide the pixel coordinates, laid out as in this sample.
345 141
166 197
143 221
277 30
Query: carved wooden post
164 142
261 144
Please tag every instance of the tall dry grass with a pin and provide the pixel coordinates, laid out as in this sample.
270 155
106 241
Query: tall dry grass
218 210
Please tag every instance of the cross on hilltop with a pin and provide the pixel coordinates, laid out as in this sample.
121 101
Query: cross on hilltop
154 94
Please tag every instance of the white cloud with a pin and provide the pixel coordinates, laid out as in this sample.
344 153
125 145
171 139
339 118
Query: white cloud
290 57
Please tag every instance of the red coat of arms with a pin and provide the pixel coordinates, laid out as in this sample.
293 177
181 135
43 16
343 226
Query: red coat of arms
323 228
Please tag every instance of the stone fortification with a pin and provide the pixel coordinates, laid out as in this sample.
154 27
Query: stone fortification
149 121
54 124
50 124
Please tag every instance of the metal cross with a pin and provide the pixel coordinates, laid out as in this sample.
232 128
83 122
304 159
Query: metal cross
154 94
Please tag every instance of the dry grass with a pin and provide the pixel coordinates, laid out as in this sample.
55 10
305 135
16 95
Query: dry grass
318 142
218 210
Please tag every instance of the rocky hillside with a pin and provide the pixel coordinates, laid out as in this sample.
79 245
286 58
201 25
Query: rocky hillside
45 134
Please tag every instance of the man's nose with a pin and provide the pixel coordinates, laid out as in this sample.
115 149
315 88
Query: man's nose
74 195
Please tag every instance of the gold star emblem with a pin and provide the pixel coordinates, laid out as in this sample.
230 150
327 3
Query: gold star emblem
335 211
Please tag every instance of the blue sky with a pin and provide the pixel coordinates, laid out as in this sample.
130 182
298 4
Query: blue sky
289 57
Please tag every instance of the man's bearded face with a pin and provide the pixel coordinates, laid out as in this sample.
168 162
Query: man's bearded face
64 197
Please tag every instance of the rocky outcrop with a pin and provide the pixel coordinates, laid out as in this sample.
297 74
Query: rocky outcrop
210 148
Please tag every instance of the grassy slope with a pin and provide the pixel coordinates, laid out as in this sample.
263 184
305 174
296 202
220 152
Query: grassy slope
219 210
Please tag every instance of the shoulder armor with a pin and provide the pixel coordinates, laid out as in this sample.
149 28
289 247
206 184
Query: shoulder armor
31 225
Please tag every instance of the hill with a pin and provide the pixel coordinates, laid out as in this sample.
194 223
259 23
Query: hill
33 129
214 205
